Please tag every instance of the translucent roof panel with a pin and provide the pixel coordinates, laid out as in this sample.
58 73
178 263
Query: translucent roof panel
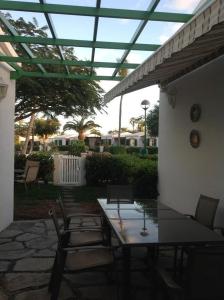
29 17
104 71
74 2
178 6
138 56
116 30
158 32
108 55
127 4
73 27
82 53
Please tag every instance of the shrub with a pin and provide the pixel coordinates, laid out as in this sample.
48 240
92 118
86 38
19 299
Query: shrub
133 150
20 161
117 150
46 164
102 169
152 150
63 148
76 148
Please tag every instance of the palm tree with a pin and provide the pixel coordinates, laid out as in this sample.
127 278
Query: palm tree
81 126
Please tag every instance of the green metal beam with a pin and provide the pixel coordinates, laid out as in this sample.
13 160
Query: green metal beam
77 43
84 63
53 33
152 6
95 30
14 33
93 11
16 75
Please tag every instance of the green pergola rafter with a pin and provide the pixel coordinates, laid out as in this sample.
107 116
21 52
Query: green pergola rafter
85 63
97 12
77 43
16 75
53 33
94 12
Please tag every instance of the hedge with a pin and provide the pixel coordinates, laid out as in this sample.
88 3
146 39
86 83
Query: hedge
103 169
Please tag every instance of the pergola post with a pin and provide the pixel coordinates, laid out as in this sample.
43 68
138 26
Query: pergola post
120 115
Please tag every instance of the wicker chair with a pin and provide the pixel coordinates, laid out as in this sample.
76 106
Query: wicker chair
202 277
70 259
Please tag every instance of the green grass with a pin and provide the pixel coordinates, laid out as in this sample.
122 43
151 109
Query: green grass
38 194
35 194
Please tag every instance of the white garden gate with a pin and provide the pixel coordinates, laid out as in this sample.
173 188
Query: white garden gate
69 170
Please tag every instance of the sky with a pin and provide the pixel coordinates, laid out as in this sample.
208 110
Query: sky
119 30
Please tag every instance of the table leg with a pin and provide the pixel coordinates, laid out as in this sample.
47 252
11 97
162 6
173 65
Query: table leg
126 273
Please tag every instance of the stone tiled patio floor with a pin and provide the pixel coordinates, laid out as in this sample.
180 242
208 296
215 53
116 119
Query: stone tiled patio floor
27 250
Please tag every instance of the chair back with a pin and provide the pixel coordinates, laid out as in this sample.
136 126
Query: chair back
206 210
31 163
31 174
61 205
204 274
120 193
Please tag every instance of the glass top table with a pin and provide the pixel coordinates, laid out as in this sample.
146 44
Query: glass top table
149 222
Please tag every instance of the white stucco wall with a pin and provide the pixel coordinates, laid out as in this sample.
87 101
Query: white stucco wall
6 149
185 172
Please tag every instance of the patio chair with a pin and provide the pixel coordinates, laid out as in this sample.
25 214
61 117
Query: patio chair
75 259
206 211
120 194
29 163
202 277
71 218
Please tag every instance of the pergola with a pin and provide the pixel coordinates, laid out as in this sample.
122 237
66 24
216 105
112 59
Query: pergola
97 12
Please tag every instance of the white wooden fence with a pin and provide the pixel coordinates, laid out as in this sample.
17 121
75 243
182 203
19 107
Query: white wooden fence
69 170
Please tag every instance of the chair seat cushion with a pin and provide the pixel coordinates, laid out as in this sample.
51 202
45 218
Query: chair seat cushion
86 259
85 238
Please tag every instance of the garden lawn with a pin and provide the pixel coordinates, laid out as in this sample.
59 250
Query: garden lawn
37 200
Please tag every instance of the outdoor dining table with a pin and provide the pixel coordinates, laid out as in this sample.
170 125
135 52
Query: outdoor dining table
150 223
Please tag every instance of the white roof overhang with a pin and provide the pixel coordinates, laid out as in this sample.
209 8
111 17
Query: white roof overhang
196 43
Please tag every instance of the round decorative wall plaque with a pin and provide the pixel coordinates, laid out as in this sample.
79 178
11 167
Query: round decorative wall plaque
195 138
195 112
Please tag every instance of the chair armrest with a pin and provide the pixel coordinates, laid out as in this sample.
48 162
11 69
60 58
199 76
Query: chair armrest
74 249
190 216
167 280
74 215
81 229
216 228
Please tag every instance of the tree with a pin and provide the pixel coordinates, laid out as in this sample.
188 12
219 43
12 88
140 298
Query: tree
95 132
139 121
153 121
51 95
81 126
46 127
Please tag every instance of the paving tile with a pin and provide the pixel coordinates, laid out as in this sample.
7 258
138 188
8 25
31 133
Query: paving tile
4 266
45 253
10 246
34 264
3 296
8 233
26 237
41 243
18 254
18 281
2 241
